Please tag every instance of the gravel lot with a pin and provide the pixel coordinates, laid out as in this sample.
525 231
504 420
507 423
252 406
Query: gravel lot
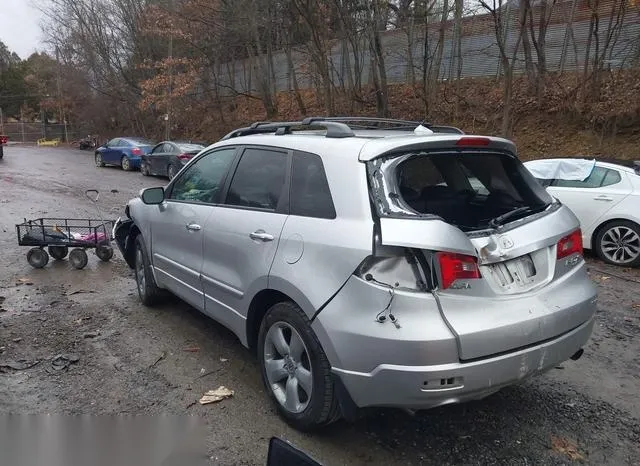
139 361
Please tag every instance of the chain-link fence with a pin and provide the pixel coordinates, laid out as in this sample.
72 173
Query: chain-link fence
30 132
562 36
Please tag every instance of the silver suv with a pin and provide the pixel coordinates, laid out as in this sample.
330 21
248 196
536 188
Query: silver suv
368 262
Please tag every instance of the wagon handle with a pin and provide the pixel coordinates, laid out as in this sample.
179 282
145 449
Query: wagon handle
92 194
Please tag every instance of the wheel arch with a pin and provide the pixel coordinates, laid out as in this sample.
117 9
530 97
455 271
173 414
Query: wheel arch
278 290
130 246
608 221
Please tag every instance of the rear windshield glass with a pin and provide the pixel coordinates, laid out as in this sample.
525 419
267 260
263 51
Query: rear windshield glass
141 141
190 147
470 190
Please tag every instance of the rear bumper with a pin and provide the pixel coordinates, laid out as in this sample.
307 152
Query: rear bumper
423 387
135 161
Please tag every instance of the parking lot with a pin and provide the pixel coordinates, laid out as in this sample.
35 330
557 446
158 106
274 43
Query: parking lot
134 360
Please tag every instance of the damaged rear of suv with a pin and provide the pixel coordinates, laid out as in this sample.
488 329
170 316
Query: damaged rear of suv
401 266
476 278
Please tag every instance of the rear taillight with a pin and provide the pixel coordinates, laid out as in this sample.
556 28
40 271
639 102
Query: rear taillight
136 151
570 244
185 157
456 267
4 139
472 142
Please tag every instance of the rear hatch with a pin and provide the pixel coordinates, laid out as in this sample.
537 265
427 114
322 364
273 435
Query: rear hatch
499 250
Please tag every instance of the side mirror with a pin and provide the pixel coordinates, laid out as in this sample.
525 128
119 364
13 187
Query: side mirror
152 196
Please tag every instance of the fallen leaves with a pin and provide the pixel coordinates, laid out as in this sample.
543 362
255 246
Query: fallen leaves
567 448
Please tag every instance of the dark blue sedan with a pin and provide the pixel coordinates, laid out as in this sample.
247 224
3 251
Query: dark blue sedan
125 152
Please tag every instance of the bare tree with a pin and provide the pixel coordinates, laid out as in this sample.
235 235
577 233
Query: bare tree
501 19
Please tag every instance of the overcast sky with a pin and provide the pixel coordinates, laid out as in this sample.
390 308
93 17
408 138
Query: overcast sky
20 26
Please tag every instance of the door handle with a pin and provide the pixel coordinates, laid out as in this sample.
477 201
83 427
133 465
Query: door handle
261 235
193 227
603 198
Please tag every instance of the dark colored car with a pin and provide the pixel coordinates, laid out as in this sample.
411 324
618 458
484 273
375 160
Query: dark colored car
168 157
125 152
3 141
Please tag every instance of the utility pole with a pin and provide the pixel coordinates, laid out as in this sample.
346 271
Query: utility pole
170 55
61 116
1 122
21 121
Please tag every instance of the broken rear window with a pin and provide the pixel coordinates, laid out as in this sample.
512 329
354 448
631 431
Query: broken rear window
470 190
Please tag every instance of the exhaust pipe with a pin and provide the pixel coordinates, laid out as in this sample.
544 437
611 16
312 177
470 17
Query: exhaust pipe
577 355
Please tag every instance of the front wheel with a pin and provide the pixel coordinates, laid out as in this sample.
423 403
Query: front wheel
78 258
37 258
618 243
295 369
171 172
99 160
148 291
125 163
104 252
144 169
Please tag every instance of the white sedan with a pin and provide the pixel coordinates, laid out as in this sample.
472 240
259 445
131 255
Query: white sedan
606 199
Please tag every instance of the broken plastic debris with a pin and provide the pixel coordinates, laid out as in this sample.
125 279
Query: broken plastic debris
19 365
214 396
62 361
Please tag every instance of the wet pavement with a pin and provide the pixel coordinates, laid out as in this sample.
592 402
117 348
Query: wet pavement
79 342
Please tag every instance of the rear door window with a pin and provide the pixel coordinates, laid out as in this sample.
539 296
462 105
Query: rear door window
310 194
259 179
599 178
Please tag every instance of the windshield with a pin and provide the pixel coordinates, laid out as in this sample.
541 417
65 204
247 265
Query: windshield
470 190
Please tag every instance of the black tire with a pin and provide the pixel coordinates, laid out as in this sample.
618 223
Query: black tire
144 169
99 160
148 291
78 258
58 252
37 258
322 405
125 163
171 172
104 252
628 246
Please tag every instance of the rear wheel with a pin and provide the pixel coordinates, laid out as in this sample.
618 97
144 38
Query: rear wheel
58 252
618 243
171 171
37 258
99 160
295 369
148 291
125 163
78 258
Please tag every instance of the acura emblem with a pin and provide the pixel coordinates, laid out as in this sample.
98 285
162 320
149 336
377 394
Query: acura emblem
506 242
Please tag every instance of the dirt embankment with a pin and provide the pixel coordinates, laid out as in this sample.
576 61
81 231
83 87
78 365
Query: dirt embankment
570 119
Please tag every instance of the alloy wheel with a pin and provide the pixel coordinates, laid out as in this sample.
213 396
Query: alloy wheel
288 368
620 244
140 277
